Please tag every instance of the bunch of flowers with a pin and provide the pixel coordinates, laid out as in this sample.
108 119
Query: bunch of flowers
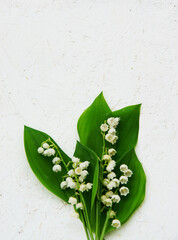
97 180
76 176
110 181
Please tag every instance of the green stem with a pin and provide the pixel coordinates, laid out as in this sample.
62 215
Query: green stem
97 220
59 154
86 216
84 224
105 224
98 203
85 210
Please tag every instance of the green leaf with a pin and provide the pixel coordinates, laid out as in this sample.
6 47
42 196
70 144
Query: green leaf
90 121
42 166
86 154
127 129
136 185
89 124
95 183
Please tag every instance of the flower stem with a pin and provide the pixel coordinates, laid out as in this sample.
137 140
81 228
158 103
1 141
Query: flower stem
84 224
54 145
86 216
105 224
98 203
85 211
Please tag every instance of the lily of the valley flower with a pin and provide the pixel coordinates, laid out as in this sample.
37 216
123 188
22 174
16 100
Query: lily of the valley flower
128 173
104 127
49 152
112 131
84 165
111 185
57 168
116 181
113 122
63 185
116 198
72 200
124 191
106 157
111 175
111 151
78 170
79 206
107 202
112 214
106 182
40 150
115 223
84 173
123 168
75 159
111 166
56 160
103 198
123 179
71 173
45 145
109 194
111 138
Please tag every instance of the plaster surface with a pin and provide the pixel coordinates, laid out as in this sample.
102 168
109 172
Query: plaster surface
56 56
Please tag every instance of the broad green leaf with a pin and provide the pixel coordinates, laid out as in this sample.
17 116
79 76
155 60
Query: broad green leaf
42 166
127 129
89 124
90 121
136 185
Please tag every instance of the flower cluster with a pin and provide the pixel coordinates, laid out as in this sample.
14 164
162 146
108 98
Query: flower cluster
48 151
112 184
109 128
76 176
73 201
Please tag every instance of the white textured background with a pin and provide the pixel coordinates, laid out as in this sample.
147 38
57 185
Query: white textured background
55 58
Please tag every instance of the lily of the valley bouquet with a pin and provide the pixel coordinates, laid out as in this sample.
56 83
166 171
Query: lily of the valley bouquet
104 180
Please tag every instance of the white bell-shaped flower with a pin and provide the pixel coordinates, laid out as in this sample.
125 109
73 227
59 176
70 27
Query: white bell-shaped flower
116 198
78 170
111 185
107 202
63 185
123 168
79 206
111 175
56 160
124 191
128 173
109 194
104 127
75 160
116 223
123 179
57 168
40 150
72 200
84 165
112 214
71 173
45 145
111 151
